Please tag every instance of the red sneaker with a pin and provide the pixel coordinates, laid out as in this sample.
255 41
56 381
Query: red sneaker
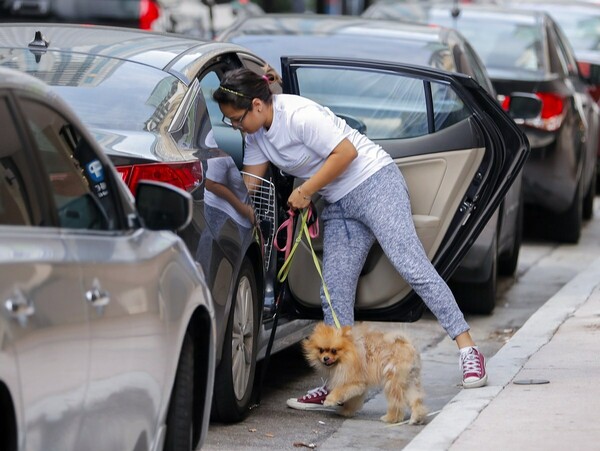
312 400
472 364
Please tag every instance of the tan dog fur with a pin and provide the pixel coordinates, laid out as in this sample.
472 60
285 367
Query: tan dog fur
352 359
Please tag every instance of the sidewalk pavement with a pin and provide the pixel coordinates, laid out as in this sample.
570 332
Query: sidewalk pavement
559 345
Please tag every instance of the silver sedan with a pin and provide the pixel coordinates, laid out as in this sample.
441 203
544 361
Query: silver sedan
107 329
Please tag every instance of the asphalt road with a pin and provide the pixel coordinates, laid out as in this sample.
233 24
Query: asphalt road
544 267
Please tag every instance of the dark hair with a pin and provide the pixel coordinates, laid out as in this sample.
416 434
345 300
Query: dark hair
239 86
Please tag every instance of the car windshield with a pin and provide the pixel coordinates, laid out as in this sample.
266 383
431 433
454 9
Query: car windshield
106 93
501 42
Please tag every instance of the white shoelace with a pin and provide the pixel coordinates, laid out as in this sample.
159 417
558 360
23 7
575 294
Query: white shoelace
319 391
470 363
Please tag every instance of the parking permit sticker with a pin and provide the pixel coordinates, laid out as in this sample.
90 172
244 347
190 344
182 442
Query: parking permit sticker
95 171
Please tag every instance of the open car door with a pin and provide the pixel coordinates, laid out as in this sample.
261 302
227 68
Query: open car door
457 149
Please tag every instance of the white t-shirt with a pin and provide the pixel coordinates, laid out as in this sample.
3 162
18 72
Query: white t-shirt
224 171
302 136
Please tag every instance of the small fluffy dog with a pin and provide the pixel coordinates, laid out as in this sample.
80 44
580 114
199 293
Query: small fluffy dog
352 359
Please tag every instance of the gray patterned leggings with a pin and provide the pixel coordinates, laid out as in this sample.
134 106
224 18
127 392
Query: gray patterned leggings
379 209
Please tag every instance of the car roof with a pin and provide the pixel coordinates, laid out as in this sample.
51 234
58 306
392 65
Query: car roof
323 24
177 54
473 10
478 10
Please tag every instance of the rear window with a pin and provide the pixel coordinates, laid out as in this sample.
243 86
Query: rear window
500 43
105 93
582 26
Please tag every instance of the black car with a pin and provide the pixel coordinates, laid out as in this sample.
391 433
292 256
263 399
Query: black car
496 249
526 51
199 18
147 98
580 22
142 14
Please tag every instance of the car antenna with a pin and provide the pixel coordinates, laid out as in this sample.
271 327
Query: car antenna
38 46
39 40
455 11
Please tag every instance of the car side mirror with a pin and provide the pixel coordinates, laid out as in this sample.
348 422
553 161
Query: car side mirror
590 72
162 206
524 105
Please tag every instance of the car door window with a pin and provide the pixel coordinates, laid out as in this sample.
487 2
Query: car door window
479 72
564 51
391 106
16 203
448 109
78 179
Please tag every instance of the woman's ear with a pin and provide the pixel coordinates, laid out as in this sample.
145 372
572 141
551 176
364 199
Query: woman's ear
257 104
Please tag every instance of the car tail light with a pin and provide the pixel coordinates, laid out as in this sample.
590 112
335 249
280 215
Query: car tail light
182 175
552 104
584 68
149 12
551 115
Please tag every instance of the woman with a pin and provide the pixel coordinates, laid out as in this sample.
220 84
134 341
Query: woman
366 199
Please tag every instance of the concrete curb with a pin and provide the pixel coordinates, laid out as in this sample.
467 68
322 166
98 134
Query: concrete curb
465 407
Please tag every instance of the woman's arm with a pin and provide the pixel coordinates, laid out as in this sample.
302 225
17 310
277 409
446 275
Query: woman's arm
336 163
225 193
257 170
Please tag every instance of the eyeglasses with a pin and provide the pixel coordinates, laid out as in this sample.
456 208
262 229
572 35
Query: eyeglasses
234 123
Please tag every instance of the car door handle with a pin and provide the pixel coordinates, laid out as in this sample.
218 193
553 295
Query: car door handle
19 306
97 297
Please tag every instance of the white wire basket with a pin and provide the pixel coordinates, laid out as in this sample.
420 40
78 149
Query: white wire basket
262 195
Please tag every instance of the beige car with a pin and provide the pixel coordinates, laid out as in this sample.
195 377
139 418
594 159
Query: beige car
107 329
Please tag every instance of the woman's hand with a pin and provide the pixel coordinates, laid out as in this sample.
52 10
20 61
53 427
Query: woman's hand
298 200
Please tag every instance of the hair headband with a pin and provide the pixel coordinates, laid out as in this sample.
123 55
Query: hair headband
231 91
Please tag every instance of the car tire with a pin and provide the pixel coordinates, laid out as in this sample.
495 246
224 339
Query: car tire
181 407
508 261
234 380
588 199
479 297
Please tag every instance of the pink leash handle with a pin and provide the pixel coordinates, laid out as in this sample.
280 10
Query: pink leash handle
288 226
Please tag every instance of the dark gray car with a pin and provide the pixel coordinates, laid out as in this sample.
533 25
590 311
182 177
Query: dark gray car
526 51
107 328
580 22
